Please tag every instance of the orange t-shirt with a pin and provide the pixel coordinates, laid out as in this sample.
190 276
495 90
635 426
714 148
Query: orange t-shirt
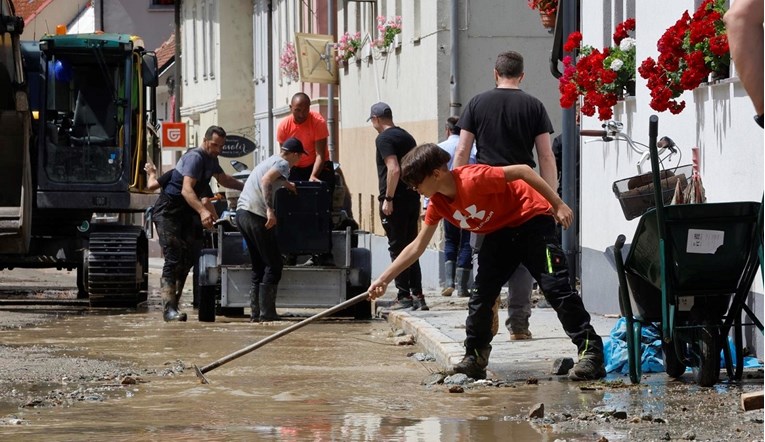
308 132
485 202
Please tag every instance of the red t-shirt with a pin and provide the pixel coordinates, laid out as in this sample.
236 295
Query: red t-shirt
485 202
308 132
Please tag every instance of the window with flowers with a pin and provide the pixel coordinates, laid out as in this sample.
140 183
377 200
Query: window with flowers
288 65
600 77
387 30
347 46
689 51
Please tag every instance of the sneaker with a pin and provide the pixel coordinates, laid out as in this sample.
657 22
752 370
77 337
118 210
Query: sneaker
524 335
402 303
587 369
418 302
470 367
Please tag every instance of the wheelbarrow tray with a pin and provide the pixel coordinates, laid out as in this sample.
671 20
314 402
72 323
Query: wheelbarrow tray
707 248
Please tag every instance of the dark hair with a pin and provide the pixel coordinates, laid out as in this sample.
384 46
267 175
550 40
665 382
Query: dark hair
217 130
509 64
421 161
302 96
451 125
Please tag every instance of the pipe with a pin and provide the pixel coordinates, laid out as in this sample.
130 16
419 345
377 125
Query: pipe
101 13
454 104
177 61
270 62
570 160
331 13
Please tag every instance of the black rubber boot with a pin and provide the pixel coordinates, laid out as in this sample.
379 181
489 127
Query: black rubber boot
462 281
449 283
170 301
178 292
255 303
268 303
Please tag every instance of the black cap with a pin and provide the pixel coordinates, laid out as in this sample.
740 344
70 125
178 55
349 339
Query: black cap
294 145
380 110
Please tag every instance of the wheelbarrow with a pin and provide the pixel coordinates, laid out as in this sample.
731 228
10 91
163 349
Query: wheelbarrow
690 268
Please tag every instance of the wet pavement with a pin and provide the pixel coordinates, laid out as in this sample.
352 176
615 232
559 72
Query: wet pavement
127 375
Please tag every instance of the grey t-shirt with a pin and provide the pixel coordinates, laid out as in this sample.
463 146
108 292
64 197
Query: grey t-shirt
195 163
252 198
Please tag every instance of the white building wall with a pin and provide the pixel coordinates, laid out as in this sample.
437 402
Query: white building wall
717 119
217 69
152 23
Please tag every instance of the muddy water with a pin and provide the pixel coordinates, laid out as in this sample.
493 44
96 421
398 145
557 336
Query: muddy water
333 380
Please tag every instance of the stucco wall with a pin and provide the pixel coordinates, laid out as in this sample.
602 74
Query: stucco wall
717 119
154 25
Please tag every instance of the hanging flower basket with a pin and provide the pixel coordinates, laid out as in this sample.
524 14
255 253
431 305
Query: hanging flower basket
547 11
548 20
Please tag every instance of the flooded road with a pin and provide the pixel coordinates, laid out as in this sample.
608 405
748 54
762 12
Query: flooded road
334 380
72 373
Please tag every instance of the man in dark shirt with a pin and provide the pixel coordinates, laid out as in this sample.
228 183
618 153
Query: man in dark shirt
507 124
175 209
399 205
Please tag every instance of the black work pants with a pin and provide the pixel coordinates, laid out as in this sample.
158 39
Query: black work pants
534 245
401 229
174 220
264 249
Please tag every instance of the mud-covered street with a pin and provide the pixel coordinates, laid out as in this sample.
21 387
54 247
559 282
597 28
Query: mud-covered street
69 372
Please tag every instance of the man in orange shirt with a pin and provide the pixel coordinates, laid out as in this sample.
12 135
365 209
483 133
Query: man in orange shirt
311 129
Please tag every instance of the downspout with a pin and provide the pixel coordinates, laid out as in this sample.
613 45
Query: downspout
101 13
177 61
454 104
331 16
270 62
571 156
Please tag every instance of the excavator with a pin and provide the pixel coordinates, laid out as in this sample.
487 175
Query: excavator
77 125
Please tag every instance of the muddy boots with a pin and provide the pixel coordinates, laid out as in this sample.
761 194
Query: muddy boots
267 300
449 283
474 363
462 281
170 301
255 303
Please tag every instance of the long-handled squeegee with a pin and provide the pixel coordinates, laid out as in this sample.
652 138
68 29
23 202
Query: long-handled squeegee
213 365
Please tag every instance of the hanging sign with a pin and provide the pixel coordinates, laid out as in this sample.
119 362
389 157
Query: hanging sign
237 146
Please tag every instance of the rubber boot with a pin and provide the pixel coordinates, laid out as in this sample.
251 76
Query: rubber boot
462 281
170 302
268 303
255 303
449 285
178 293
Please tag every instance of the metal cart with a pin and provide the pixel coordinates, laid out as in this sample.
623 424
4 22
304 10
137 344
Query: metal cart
690 268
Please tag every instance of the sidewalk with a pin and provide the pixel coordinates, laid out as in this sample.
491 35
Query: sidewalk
441 331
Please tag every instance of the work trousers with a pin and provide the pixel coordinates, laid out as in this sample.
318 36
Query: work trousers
264 251
534 245
176 228
401 229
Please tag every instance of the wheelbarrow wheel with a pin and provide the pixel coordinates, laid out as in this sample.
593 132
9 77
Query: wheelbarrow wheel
634 351
207 303
672 364
708 371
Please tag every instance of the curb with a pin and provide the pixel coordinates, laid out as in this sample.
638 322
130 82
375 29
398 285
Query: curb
446 351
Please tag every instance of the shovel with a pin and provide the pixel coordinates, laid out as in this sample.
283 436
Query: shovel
213 365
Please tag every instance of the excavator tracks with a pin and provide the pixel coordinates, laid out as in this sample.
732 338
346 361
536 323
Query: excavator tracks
117 267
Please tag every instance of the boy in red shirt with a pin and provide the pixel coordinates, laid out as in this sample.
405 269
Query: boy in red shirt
517 211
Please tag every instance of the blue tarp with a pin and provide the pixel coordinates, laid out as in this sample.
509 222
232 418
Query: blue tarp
615 350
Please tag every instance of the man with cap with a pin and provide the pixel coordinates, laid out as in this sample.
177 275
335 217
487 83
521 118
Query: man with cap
256 219
311 129
399 205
